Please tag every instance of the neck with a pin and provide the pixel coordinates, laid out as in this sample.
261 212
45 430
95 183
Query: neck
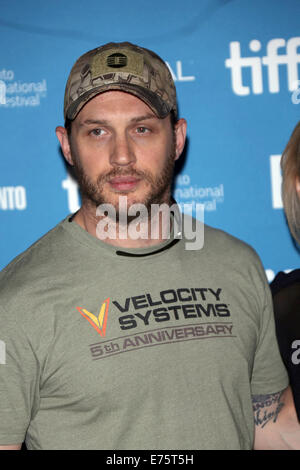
137 232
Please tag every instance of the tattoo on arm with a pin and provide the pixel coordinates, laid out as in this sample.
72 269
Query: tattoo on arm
266 408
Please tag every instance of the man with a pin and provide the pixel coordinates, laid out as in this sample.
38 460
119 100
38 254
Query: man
115 341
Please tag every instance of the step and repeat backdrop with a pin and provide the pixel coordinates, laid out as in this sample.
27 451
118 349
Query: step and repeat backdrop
236 68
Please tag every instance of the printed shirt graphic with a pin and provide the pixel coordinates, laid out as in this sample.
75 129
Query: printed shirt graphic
99 323
163 317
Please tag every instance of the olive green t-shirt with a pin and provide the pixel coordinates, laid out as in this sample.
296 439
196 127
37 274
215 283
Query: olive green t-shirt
154 348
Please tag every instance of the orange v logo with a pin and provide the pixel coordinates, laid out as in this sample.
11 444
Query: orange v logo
99 323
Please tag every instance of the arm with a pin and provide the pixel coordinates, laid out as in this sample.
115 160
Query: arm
276 423
11 447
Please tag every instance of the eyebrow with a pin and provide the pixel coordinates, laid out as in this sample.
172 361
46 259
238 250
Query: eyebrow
143 118
104 122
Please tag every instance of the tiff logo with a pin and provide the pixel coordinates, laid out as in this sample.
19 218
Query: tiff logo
271 60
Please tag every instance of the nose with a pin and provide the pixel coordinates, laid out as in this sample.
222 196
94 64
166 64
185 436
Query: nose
122 153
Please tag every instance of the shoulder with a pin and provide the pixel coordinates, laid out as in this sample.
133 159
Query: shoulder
236 253
227 253
285 289
220 242
283 280
31 267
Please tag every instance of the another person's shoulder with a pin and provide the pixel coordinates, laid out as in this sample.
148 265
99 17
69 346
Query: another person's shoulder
285 289
284 280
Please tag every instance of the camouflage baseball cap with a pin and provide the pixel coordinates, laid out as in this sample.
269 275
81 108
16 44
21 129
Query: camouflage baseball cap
121 66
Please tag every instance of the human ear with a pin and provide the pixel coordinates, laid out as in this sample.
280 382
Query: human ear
63 138
180 136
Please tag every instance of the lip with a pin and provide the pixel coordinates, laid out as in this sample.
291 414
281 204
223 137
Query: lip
124 183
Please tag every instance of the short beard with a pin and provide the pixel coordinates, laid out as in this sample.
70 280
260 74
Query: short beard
160 186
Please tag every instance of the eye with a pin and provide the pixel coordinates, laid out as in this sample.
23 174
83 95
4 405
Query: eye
97 132
142 130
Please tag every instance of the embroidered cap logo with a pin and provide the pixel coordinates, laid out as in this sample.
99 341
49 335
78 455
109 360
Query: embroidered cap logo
117 60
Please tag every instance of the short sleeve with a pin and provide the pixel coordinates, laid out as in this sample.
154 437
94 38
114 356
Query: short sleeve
268 374
19 383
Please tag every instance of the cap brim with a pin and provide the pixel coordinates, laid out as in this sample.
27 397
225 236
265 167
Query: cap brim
155 103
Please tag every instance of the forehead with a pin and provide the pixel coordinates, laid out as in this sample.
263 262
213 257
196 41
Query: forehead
114 103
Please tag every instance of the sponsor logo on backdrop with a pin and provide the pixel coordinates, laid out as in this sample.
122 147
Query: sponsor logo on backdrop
209 196
16 93
177 73
277 52
2 92
13 198
71 186
276 181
